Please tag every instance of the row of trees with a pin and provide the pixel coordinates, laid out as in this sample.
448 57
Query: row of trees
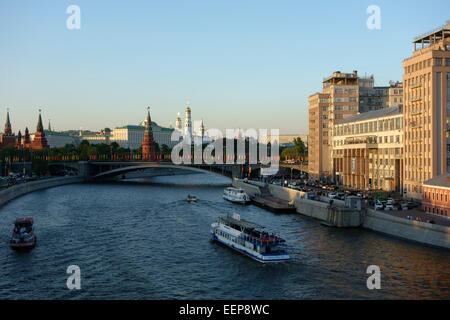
298 151
87 151
83 151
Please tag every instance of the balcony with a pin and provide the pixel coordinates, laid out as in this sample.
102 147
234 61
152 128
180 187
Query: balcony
415 99
416 112
369 142
414 140
416 85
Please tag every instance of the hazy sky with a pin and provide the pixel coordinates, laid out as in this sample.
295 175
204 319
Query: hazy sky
249 64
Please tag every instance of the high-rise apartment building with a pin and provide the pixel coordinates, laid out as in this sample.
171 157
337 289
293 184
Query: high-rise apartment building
375 98
318 161
343 95
426 112
339 99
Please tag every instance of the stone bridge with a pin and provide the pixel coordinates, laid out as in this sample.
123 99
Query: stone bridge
107 170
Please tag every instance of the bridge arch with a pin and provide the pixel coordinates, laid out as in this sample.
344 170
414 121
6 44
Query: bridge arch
135 167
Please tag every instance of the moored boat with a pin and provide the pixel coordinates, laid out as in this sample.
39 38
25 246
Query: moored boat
249 239
236 195
23 237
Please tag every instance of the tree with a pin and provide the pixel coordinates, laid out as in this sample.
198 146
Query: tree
114 146
289 153
299 146
165 149
39 167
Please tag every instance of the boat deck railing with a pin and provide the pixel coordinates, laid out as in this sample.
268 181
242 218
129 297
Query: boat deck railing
270 241
280 253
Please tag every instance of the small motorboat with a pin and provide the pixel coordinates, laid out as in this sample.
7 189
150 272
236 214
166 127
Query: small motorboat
23 237
191 198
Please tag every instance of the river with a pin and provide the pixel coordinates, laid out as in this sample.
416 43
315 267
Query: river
144 241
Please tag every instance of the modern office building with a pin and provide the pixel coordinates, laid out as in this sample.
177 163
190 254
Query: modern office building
426 112
367 150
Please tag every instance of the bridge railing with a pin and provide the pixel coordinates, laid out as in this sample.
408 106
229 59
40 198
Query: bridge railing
190 158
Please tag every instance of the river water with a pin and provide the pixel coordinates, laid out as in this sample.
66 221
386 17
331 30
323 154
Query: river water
144 241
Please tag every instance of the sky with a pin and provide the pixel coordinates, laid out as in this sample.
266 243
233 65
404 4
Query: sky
241 64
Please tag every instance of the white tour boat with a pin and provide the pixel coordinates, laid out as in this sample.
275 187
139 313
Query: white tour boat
236 195
248 238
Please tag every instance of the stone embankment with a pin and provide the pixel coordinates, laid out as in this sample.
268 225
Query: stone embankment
18 190
338 215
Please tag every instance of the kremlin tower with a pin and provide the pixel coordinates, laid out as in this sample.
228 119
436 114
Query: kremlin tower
178 125
7 138
8 131
39 142
26 140
19 140
188 122
202 130
148 144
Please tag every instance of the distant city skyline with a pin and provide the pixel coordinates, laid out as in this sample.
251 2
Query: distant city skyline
247 65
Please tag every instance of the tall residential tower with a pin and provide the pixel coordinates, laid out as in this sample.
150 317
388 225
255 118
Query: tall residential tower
426 111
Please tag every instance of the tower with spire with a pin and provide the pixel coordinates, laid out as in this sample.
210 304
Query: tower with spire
188 121
202 130
26 139
148 143
8 130
19 140
39 141
7 138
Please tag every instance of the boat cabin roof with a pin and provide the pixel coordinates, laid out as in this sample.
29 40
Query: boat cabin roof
242 223
24 221
235 189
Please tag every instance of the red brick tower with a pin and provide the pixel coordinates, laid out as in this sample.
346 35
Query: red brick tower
40 141
7 138
148 144
26 140
19 140
8 131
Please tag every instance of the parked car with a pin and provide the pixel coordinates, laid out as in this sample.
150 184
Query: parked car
340 196
379 205
389 207
277 182
408 205
390 201
332 195
294 185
